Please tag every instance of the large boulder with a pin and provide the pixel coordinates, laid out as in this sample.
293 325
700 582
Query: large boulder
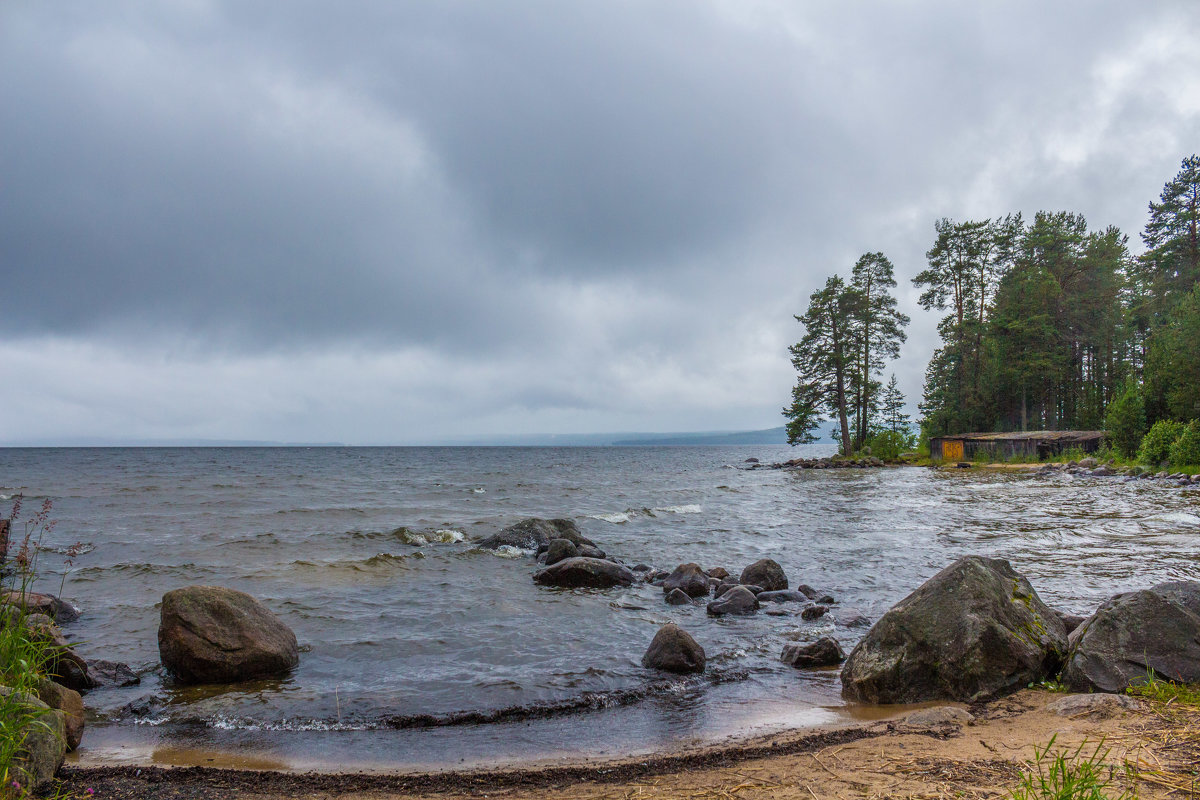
738 601
43 745
591 573
674 650
765 573
532 533
1134 633
975 630
689 578
210 634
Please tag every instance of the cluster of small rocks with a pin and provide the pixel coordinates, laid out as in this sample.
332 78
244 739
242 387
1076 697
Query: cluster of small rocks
1094 468
831 462
570 560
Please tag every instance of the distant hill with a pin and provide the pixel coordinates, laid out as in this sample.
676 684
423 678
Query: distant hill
768 436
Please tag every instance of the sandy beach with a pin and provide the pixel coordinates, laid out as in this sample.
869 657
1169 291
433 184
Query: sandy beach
1154 746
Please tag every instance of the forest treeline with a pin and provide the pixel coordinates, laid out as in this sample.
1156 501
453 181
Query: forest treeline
1047 325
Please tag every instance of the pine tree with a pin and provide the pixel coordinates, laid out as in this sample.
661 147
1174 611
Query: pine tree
824 362
879 332
1171 263
893 409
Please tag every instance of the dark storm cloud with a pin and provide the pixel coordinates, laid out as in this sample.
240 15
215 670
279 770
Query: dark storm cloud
582 194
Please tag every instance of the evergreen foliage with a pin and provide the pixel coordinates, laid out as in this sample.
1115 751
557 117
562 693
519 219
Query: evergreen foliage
1052 325
1126 420
1156 445
849 329
1185 452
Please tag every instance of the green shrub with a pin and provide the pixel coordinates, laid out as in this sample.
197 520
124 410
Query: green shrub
1125 421
1186 450
25 656
1156 444
888 445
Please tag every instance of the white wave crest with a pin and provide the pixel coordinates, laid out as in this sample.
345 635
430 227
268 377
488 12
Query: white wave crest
508 551
1178 518
691 508
615 519
478 490
447 536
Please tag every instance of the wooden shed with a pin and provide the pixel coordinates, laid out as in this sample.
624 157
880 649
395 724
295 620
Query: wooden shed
1033 445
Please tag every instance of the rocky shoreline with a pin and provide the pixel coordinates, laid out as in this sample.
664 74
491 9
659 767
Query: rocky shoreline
974 632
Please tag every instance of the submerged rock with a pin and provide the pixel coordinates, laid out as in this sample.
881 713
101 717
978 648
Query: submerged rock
1131 634
825 652
973 631
813 612
579 572
738 601
532 533
678 597
112 673
782 596
210 634
765 573
674 650
688 577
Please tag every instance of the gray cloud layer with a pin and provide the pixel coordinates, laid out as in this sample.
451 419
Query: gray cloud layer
539 215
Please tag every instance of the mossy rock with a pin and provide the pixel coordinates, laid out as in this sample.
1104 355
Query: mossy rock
975 630
43 732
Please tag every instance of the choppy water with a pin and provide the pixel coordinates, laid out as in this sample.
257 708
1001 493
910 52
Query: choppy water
421 650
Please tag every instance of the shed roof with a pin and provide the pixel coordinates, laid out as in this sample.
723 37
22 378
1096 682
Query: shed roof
1041 436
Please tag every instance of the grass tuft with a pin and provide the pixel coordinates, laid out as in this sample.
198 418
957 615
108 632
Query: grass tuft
1060 773
1166 692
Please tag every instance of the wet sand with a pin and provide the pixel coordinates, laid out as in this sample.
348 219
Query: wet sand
886 758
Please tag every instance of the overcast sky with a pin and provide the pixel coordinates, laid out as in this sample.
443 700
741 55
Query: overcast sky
387 222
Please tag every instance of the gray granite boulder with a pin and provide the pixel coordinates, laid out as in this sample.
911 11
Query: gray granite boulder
975 630
1134 633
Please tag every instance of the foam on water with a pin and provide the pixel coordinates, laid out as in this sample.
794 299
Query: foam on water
616 519
328 539
690 508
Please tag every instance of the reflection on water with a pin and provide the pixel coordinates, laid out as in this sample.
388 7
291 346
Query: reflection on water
367 553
